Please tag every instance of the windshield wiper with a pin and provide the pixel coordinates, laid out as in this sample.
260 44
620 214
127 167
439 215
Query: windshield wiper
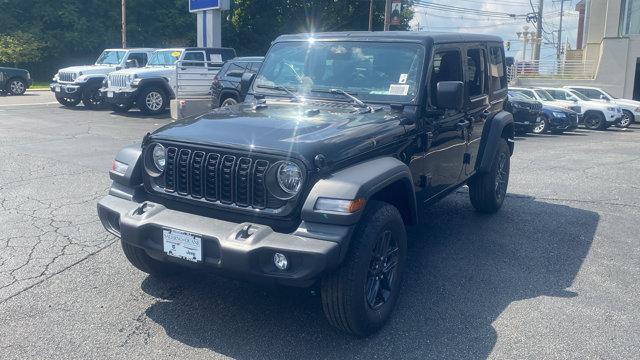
294 97
356 102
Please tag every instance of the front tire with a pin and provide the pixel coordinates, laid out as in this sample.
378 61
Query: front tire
228 102
595 121
145 263
16 86
488 190
152 100
67 102
91 97
359 297
541 126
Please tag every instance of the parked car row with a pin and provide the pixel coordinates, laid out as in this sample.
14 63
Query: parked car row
542 109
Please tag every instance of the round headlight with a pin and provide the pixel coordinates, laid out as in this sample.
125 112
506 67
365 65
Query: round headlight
289 177
159 156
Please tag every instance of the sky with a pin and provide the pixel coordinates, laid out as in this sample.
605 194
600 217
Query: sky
432 19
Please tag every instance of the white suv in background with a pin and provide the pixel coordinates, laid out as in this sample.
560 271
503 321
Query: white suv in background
82 83
545 98
595 115
630 108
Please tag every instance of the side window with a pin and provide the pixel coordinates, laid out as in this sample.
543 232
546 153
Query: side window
497 69
140 58
591 93
195 56
475 75
235 69
447 66
557 94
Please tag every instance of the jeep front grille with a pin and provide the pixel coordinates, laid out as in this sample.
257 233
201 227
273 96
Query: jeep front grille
66 76
215 177
118 80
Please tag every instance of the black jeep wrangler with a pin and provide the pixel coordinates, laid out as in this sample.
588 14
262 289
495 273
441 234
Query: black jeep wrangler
342 141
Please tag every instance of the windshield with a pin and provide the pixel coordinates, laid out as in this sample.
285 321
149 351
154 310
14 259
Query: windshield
519 96
383 72
579 96
164 58
544 95
110 57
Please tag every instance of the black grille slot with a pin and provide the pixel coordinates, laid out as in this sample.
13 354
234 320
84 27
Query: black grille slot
170 170
259 188
236 179
197 174
182 183
211 192
243 171
226 179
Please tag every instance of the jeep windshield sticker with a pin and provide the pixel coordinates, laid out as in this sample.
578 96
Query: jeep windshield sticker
398 89
175 54
403 78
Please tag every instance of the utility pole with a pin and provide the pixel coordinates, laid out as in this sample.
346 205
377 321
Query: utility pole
370 15
559 53
387 14
536 53
124 24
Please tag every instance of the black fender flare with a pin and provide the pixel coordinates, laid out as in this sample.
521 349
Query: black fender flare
364 180
494 130
130 155
161 82
225 92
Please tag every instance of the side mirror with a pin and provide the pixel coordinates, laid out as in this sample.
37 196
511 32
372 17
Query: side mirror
245 82
131 63
235 73
602 97
450 95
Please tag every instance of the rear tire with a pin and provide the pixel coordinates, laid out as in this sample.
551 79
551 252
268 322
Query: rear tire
228 102
91 97
68 102
16 86
358 297
145 263
488 190
626 120
595 121
152 100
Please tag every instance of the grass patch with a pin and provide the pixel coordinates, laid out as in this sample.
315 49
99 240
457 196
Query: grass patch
39 85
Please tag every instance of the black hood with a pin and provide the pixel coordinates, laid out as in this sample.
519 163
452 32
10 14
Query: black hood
335 129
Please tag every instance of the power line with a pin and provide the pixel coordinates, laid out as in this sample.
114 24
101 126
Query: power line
469 11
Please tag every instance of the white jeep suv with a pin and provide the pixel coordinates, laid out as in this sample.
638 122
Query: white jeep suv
595 115
151 87
630 108
82 83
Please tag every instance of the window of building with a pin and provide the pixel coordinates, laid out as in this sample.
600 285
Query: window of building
630 17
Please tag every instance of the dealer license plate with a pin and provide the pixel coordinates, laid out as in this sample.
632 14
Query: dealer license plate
109 94
182 245
57 88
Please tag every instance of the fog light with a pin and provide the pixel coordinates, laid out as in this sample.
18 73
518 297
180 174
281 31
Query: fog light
280 261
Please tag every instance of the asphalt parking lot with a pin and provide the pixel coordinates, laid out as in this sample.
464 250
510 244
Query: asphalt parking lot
555 274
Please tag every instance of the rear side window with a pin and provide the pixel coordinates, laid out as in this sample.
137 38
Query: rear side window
497 69
475 76
195 56
590 93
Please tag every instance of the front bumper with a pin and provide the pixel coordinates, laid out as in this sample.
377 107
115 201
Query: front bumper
565 123
225 245
119 96
67 90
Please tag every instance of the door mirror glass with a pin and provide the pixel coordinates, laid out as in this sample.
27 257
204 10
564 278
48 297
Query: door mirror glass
450 95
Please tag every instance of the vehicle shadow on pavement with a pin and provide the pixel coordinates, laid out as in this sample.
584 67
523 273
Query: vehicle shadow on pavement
463 270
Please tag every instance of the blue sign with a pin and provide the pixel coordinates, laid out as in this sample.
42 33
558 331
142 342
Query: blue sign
202 5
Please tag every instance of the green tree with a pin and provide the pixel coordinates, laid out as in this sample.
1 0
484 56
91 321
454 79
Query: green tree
19 48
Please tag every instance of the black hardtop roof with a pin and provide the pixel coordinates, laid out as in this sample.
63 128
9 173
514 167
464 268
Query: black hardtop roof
423 37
